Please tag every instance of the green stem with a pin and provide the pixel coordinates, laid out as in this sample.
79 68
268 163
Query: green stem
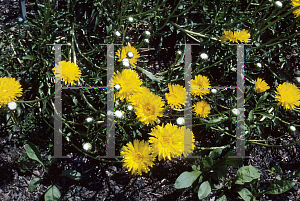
193 33
36 100
93 157
279 18
267 145
248 5
249 97
166 22
88 103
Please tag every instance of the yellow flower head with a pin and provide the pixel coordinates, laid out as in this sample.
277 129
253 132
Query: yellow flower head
242 36
129 81
296 3
130 53
135 98
137 157
228 35
176 96
288 95
10 89
167 141
70 72
202 109
197 84
148 108
261 85
189 140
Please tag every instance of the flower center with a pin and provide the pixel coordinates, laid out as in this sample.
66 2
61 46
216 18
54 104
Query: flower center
130 54
173 96
287 96
138 157
166 141
149 109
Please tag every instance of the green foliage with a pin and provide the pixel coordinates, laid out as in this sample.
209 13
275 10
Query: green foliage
83 27
246 176
52 193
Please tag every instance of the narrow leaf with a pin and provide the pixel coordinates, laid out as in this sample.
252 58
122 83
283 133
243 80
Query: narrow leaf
262 98
149 74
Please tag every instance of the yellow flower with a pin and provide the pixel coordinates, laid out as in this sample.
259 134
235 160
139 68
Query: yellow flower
202 109
167 141
288 95
243 36
129 81
137 157
197 83
135 98
148 108
296 3
228 35
130 53
189 140
70 72
261 85
10 89
176 96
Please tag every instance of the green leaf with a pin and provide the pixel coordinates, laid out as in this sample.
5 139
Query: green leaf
234 162
150 75
265 114
207 163
34 183
246 174
204 190
52 193
29 57
250 117
186 179
262 98
223 198
245 194
278 169
72 174
33 153
279 186
222 172
215 153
